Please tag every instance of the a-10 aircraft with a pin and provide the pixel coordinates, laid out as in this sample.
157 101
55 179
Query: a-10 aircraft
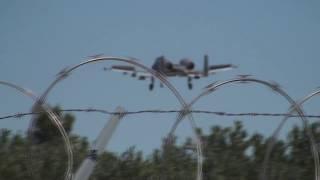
185 68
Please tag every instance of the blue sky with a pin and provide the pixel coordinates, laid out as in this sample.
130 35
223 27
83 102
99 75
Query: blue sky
272 40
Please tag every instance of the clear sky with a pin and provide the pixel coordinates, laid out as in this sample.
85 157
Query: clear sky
271 39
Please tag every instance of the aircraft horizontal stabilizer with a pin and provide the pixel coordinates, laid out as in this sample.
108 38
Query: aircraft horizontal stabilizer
221 67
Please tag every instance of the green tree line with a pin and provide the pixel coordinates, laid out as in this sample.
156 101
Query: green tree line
229 154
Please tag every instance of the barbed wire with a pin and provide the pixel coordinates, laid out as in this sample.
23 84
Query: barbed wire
217 113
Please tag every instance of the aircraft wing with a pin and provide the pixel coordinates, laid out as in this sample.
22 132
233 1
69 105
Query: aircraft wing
131 70
211 70
194 74
121 68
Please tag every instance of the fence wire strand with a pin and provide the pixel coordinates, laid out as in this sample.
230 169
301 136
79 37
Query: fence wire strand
154 111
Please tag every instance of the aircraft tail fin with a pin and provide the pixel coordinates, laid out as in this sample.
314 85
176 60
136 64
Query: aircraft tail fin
206 65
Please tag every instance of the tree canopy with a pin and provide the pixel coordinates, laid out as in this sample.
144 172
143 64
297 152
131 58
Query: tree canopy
229 153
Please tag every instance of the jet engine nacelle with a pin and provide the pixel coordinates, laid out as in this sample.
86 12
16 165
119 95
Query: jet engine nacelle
187 63
168 65
162 64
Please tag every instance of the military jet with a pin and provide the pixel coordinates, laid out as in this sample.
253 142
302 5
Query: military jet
185 68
